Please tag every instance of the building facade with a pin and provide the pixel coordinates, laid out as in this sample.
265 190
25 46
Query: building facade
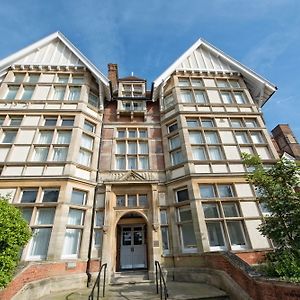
108 169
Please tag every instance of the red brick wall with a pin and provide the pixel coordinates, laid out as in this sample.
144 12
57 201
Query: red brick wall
38 271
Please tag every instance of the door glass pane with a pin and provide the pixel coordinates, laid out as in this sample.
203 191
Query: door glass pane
215 234
126 237
138 236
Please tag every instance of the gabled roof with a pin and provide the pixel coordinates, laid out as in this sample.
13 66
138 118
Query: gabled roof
55 50
204 57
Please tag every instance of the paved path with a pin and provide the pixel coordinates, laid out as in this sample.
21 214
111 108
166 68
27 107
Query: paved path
143 291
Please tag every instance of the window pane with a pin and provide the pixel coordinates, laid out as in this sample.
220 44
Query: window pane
45 216
143 133
192 123
40 242
60 153
222 83
132 200
67 122
210 210
75 217
121 133
211 137
207 191
28 196
251 123
84 157
176 157
59 93
241 137
27 93
226 97
27 213
197 82
132 163
185 214
230 210
19 77
172 127
188 235
234 83
74 93
93 99
196 137
87 141
64 137
99 218
88 126
120 200
240 98
63 78
186 97
143 200
182 195
12 92
143 163
50 121
174 142
121 148
143 148
165 237
132 133
9 137
168 101
15 121
45 137
225 190
78 197
236 233
120 163
236 123
183 82
50 195
77 79
207 123
40 154
33 78
132 148
72 241
98 238
215 234
200 97
256 138
215 153
163 217
199 153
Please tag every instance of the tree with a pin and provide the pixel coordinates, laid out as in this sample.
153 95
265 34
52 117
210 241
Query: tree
278 190
14 234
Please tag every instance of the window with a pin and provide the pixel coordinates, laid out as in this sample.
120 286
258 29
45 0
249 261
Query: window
222 229
15 121
74 93
182 195
207 123
84 157
50 195
99 222
88 126
196 137
172 127
63 137
12 92
40 154
50 121
192 123
134 200
60 153
45 137
209 190
164 229
186 229
78 197
8 137
168 101
27 93
241 137
59 93
28 195
66 122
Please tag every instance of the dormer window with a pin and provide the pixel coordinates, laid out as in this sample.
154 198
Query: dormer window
133 90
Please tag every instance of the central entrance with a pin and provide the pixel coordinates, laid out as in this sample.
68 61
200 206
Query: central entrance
133 247
131 243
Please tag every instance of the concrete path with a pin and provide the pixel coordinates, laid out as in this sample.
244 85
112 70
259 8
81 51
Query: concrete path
143 291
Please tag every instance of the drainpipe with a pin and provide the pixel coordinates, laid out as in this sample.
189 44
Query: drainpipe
88 267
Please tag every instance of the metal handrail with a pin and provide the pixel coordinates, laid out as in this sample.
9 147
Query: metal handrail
162 282
97 284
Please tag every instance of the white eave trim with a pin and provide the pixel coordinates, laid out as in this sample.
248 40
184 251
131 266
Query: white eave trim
8 61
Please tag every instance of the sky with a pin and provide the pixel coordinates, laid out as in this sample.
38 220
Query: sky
146 36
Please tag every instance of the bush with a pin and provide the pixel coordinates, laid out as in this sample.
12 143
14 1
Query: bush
14 234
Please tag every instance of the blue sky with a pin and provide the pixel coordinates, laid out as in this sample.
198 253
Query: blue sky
146 36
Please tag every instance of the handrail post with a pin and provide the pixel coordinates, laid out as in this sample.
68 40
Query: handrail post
104 280
156 277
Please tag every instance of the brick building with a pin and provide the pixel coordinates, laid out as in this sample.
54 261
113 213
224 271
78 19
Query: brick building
124 172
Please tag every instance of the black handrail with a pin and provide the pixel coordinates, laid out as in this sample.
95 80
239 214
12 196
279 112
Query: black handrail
162 282
97 284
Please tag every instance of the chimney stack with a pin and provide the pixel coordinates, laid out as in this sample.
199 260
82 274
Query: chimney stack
113 75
